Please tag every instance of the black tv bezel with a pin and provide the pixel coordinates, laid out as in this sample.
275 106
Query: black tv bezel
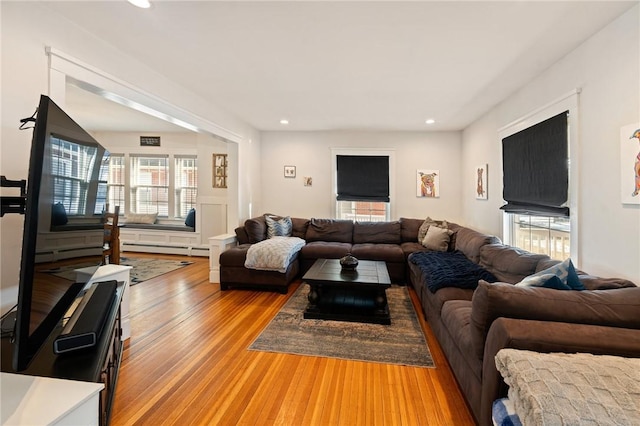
27 344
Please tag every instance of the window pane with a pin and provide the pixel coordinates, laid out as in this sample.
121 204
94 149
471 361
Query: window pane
541 234
186 185
363 211
150 185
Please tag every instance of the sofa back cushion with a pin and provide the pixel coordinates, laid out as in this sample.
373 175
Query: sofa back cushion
256 229
299 227
615 308
330 230
241 235
509 264
469 241
409 229
377 232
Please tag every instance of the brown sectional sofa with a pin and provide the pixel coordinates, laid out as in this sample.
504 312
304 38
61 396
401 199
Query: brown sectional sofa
471 325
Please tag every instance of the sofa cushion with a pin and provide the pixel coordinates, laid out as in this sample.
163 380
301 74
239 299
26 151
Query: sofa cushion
324 250
615 308
234 256
299 227
408 248
456 318
409 229
387 252
330 230
377 232
509 264
256 229
439 298
469 242
147 219
241 235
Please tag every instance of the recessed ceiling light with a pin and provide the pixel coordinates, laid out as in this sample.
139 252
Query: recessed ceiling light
430 121
284 121
144 4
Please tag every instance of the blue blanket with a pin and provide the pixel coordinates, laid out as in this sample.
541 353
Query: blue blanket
449 269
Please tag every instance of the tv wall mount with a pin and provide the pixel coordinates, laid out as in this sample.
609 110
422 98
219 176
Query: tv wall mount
13 204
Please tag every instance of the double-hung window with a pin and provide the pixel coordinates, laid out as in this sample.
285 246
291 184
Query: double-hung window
536 187
162 184
362 187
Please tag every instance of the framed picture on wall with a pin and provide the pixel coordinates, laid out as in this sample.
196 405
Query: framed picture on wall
289 171
481 181
428 183
630 163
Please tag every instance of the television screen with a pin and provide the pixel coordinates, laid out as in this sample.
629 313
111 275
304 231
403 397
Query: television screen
63 229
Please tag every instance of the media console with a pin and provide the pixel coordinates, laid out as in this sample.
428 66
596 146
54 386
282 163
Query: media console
98 364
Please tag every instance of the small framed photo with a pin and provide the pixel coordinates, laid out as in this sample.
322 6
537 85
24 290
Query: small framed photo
289 171
308 181
481 181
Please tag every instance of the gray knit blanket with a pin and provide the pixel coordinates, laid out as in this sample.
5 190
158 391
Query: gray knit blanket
572 389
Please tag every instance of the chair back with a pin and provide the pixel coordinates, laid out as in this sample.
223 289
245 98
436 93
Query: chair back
111 237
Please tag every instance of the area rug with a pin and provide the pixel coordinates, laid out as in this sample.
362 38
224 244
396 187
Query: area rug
143 269
402 342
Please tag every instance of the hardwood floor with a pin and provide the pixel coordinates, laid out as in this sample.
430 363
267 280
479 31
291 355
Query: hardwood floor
187 363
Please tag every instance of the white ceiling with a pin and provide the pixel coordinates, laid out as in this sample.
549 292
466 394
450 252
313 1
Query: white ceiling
382 65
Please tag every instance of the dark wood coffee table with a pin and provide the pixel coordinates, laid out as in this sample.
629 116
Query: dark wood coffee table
358 295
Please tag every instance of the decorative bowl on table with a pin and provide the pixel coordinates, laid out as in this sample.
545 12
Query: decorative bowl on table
348 262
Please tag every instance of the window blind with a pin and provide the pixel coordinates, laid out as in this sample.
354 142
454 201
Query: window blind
536 170
363 178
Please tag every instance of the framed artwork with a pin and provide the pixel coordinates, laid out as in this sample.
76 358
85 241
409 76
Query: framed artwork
289 171
630 163
308 181
428 183
481 182
219 170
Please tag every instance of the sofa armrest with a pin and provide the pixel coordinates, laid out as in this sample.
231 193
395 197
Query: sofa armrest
547 336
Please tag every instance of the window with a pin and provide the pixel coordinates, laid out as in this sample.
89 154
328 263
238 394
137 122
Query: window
116 182
362 187
73 166
150 185
163 184
186 185
538 175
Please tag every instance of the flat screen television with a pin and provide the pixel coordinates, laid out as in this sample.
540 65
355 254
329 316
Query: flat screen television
63 227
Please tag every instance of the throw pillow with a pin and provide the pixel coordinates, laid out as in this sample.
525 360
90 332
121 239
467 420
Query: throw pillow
282 227
58 215
422 231
437 238
544 280
564 271
191 218
147 219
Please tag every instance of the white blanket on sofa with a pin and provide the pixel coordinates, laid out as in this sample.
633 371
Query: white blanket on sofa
273 254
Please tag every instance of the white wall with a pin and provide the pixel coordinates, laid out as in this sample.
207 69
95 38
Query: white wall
310 152
607 69
26 29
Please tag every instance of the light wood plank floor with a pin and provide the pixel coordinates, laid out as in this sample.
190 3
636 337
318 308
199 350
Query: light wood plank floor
187 363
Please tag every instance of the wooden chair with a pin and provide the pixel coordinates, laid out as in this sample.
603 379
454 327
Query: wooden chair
111 239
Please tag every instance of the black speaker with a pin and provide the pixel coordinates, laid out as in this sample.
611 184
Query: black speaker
85 326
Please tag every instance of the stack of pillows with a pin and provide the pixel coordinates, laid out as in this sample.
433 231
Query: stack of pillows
435 236
562 276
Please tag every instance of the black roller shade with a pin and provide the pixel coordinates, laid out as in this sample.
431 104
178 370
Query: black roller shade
363 178
536 170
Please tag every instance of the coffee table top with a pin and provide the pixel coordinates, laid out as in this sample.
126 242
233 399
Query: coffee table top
368 272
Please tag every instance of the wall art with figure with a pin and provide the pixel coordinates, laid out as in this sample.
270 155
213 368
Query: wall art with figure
630 163
428 183
481 181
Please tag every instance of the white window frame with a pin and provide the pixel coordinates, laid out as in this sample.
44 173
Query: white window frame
386 152
568 102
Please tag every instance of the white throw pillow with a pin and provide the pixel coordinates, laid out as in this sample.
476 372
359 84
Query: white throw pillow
437 238
147 219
